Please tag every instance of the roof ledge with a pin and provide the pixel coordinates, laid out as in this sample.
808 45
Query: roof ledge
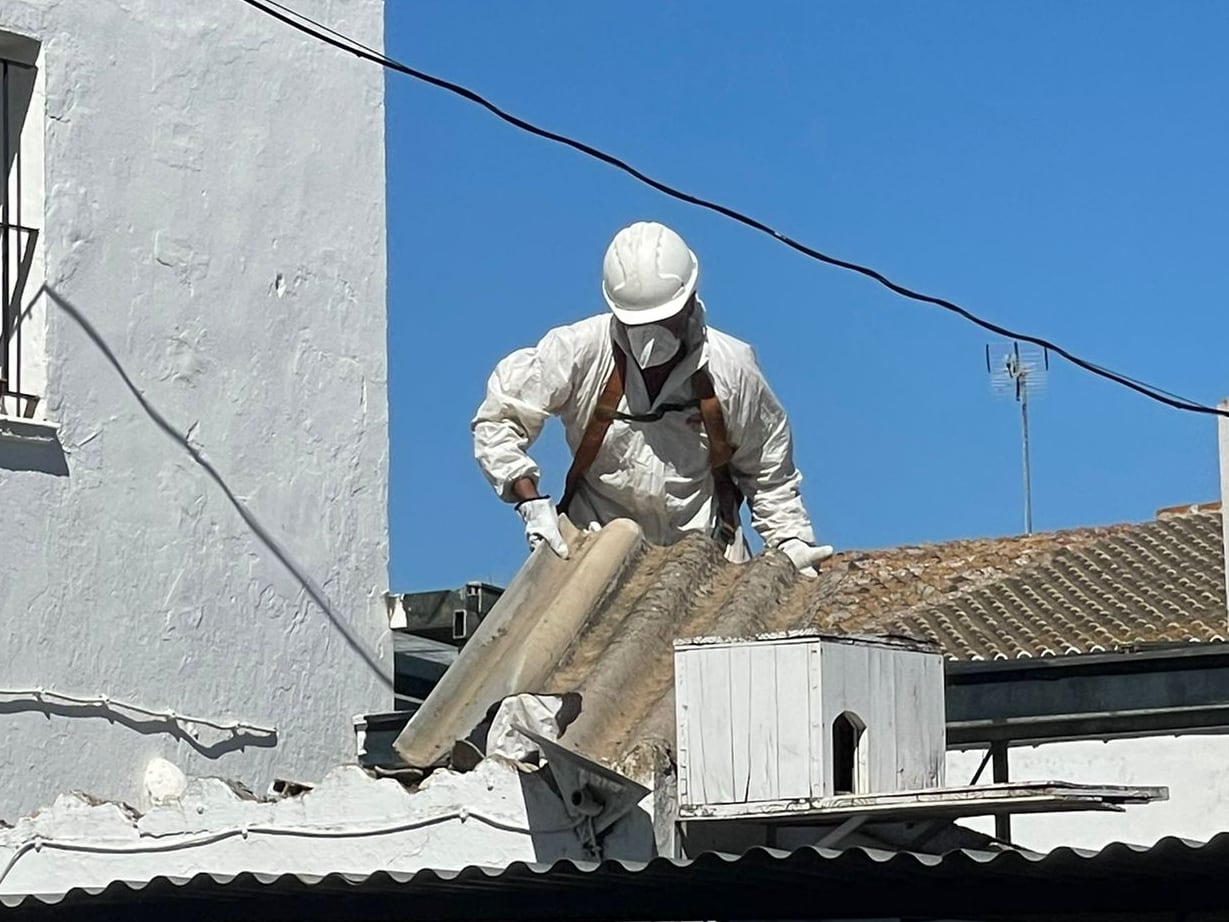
1168 512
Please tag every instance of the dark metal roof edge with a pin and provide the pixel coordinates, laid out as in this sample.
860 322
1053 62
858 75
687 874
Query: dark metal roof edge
1215 849
1175 654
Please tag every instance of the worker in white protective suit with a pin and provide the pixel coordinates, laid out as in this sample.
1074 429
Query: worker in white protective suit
670 422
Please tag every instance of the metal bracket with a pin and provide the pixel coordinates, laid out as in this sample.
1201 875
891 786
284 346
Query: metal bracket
588 788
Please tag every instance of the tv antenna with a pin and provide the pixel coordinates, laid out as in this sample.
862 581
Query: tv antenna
1020 373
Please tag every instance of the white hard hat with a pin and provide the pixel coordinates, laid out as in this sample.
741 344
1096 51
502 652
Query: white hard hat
648 274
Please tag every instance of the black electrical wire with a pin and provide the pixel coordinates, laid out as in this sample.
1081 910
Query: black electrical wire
337 39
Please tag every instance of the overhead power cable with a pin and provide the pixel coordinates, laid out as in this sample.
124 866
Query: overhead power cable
329 36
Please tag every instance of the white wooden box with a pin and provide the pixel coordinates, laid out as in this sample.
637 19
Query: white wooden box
806 715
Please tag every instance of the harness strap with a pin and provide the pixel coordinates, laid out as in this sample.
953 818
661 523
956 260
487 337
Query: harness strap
720 451
595 432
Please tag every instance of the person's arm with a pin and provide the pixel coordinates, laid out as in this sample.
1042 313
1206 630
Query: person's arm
523 392
526 389
763 462
525 489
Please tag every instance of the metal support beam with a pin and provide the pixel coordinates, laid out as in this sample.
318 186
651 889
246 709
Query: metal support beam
847 828
999 767
1164 688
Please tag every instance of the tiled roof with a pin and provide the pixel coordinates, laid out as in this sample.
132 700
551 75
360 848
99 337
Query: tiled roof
1083 590
1094 590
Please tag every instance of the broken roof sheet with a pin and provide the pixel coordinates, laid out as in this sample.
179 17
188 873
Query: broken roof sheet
603 623
1173 876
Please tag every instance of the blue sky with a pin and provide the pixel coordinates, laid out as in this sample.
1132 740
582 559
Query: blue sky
1057 167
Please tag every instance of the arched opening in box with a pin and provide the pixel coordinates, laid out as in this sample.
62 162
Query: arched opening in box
849 754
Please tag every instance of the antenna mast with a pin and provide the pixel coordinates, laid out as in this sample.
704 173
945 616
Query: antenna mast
1018 372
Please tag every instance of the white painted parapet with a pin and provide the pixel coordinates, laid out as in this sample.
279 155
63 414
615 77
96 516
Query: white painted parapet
499 813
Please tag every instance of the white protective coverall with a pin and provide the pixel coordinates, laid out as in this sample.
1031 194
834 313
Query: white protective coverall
655 473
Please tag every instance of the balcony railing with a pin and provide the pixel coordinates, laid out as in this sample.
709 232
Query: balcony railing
18 241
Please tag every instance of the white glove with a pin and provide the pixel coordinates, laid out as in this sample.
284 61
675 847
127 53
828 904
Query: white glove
542 524
805 557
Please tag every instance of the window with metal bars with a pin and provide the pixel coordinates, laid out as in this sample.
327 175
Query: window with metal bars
18 225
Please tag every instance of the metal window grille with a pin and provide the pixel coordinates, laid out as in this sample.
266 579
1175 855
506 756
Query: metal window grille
17 239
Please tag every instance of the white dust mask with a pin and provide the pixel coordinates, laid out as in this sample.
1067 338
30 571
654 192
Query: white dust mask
651 344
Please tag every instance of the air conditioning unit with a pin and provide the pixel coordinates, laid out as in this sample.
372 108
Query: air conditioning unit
804 715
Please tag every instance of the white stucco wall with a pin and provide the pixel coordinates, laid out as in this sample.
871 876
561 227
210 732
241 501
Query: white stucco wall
352 824
215 209
1192 767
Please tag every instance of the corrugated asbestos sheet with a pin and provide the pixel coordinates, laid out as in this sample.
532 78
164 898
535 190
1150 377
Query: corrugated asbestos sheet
1170 878
1079 591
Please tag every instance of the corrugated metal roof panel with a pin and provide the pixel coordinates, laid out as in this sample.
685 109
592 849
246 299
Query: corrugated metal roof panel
1171 876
